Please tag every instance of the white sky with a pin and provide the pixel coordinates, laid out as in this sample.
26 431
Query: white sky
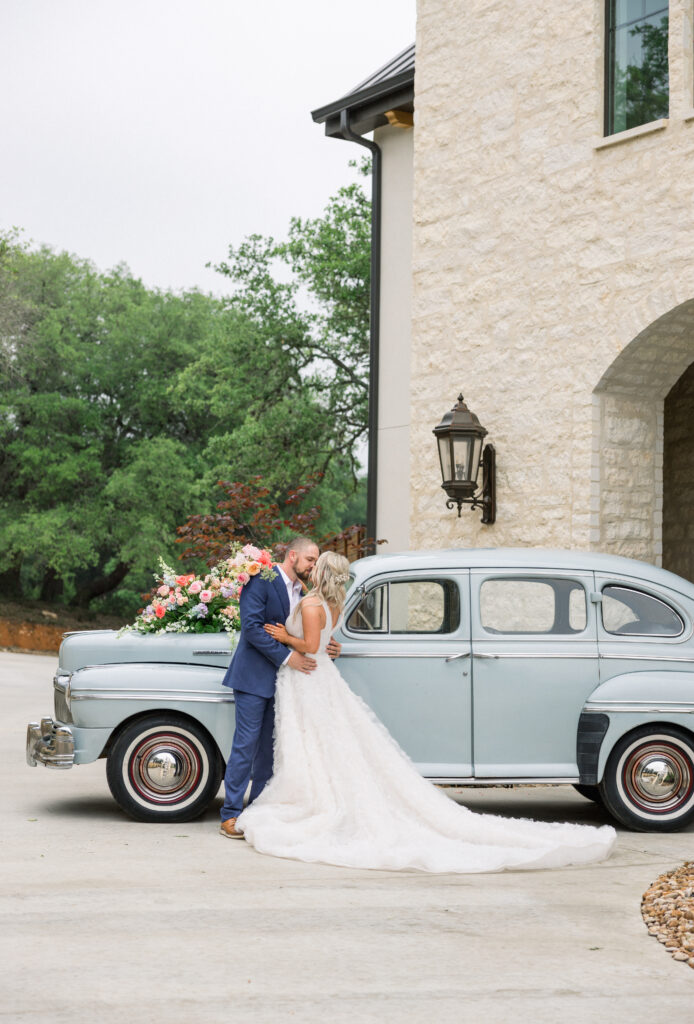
157 132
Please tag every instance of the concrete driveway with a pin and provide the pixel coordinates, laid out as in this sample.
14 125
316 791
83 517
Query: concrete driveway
107 920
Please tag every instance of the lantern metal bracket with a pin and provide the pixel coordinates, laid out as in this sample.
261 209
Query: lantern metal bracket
485 497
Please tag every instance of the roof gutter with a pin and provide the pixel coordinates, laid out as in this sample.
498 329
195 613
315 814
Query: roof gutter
374 319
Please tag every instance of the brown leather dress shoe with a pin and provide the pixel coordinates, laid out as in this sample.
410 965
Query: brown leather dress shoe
228 828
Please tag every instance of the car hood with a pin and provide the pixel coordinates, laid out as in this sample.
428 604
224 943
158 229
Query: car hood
109 647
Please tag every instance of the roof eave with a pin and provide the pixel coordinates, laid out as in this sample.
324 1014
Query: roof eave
369 105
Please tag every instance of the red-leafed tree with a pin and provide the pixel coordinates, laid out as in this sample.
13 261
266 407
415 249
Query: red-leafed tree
247 515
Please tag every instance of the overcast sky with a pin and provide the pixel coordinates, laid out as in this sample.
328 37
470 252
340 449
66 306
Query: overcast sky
156 132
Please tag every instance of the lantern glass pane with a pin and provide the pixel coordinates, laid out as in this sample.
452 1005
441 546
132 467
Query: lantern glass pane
462 452
445 457
477 454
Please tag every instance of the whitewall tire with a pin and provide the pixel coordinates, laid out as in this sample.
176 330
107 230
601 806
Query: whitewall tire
164 767
649 779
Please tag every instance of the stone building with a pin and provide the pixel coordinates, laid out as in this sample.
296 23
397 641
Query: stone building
542 263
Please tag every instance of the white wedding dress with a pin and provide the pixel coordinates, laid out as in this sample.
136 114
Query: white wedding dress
343 792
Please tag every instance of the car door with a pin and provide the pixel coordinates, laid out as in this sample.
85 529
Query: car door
640 628
535 661
406 651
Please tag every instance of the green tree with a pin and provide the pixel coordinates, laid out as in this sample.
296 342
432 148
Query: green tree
121 407
641 88
84 402
316 324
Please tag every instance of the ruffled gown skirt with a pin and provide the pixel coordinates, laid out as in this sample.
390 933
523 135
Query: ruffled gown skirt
344 793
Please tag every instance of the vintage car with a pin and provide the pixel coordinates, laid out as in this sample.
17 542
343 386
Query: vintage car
488 666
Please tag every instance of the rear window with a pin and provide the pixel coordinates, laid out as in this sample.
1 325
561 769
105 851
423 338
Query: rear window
630 612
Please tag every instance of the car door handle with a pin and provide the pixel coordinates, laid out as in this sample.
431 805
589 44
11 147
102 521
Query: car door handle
477 655
454 657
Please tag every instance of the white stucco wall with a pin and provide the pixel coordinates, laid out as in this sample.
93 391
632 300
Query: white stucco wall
395 328
540 256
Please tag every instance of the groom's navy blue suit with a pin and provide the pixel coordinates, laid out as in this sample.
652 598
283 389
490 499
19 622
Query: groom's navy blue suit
252 674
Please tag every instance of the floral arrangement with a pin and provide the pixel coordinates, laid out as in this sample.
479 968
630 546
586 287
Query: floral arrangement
189 603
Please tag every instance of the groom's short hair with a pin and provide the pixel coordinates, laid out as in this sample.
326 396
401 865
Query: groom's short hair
299 543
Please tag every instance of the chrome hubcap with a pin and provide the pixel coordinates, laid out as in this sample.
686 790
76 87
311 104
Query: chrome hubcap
165 768
658 776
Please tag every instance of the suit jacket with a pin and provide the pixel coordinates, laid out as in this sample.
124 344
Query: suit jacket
257 657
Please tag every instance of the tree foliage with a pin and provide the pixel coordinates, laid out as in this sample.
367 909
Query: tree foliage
641 89
247 513
121 407
325 342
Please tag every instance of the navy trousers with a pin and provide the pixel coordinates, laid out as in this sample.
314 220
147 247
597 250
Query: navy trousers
251 751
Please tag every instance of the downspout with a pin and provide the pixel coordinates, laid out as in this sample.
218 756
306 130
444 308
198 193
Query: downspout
374 321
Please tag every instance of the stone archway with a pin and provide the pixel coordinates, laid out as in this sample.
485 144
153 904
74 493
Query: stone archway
678 477
642 403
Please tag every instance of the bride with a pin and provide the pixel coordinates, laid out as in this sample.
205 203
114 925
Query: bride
343 792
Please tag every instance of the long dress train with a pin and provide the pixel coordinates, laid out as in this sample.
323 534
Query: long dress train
344 793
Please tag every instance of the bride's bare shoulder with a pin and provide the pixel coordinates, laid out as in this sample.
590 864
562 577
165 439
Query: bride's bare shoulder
311 605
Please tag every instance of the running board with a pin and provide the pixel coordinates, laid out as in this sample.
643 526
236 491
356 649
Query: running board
503 782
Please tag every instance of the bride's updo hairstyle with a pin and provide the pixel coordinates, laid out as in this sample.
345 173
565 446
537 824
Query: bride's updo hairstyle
330 574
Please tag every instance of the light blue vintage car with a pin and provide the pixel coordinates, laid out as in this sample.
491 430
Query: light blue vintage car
488 666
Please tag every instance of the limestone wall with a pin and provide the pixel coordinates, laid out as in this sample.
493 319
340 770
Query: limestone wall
540 254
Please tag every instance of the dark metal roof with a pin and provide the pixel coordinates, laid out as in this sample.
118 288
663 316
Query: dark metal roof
402 62
389 88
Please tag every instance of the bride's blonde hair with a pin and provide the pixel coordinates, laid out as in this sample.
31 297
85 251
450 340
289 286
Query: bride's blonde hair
330 574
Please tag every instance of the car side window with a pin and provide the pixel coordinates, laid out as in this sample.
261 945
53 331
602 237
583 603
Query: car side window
407 607
371 614
629 612
511 606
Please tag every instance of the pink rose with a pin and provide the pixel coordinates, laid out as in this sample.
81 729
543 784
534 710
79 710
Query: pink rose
163 591
206 596
160 611
195 587
243 578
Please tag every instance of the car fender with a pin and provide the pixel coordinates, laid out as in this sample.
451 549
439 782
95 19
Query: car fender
102 697
632 699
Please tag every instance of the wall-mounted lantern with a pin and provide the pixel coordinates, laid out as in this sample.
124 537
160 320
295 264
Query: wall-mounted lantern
462 452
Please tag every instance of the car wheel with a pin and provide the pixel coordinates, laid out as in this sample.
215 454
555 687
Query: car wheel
164 768
589 792
649 780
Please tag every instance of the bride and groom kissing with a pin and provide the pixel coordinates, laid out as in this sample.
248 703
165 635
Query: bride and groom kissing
328 781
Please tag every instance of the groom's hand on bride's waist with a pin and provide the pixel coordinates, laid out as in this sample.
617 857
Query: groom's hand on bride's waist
301 662
333 649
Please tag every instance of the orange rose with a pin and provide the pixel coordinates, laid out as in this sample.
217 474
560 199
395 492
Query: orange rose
253 568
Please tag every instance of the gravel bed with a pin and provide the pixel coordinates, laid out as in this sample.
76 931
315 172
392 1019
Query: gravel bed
668 910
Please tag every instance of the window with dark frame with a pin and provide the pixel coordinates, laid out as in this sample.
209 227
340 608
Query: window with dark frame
522 605
636 63
408 607
630 612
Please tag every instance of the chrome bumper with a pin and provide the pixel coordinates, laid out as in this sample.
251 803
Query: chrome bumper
50 744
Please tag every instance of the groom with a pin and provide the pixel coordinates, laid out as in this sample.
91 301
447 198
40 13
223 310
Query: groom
253 671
